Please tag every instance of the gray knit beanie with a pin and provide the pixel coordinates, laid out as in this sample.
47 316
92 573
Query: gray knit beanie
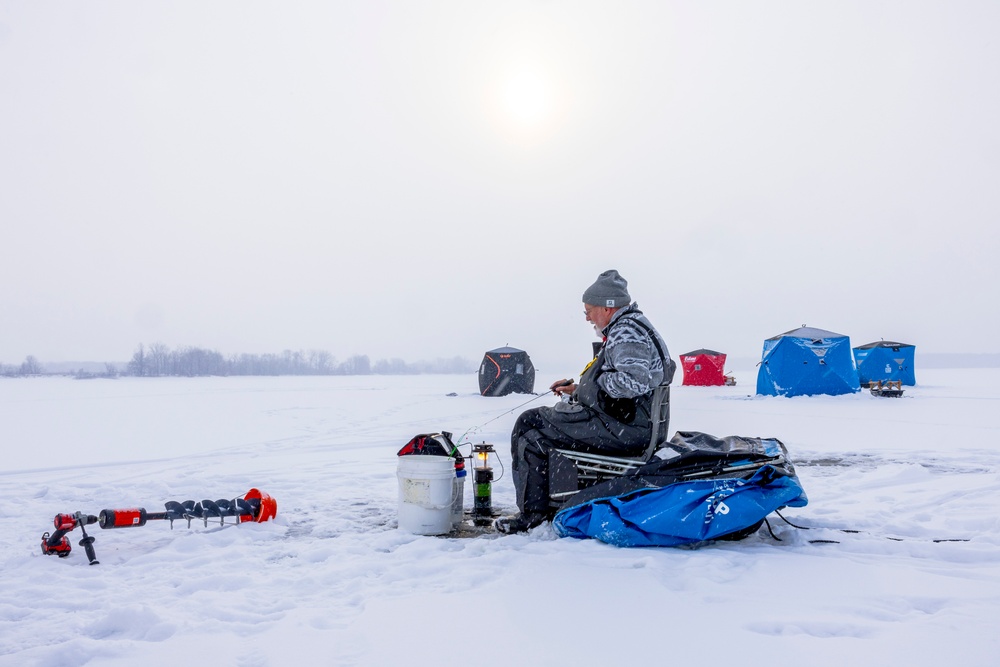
610 290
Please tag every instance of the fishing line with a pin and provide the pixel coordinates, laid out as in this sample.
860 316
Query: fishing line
474 429
855 532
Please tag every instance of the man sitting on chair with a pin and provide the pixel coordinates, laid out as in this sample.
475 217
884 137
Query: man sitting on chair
607 413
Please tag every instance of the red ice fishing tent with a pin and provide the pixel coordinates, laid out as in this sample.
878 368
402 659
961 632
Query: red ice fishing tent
704 368
506 370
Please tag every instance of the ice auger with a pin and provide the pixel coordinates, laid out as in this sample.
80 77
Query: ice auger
255 506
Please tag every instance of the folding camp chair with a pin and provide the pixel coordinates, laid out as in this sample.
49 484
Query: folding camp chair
570 471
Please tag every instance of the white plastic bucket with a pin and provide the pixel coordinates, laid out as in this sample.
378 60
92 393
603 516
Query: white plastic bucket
427 488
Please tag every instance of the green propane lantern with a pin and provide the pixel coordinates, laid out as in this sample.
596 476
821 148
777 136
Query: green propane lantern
482 508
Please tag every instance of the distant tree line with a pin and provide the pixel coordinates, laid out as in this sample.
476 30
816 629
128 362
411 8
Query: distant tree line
31 366
158 360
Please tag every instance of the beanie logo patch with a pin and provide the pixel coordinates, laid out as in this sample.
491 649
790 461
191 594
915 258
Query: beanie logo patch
610 303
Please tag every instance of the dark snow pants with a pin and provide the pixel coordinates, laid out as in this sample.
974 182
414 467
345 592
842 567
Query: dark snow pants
565 426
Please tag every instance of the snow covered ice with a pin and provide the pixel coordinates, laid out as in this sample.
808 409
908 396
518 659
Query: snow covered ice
332 581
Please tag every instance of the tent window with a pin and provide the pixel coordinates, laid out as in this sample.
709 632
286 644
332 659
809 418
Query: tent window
697 367
519 369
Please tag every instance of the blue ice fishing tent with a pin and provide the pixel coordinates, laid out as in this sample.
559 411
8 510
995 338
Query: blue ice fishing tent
885 360
807 361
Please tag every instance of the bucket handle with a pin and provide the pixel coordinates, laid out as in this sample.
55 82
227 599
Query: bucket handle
451 501
455 491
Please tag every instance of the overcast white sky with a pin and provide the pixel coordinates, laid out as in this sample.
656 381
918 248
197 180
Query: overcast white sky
423 180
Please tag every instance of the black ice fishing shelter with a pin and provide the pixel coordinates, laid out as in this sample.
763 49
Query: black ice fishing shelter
506 370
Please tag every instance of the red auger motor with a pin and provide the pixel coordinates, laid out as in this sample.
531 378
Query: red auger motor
255 506
58 543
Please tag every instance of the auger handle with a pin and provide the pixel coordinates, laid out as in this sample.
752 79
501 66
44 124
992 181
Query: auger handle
88 541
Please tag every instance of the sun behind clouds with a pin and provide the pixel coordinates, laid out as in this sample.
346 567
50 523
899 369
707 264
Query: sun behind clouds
525 102
527 97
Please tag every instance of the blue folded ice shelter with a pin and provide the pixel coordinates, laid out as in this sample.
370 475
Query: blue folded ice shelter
696 488
807 361
885 360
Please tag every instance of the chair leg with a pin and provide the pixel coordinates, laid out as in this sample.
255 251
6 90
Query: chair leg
563 475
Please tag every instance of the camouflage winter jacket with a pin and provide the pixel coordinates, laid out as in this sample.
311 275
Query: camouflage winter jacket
634 356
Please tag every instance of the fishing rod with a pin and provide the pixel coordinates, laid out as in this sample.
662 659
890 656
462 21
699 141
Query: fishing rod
562 383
